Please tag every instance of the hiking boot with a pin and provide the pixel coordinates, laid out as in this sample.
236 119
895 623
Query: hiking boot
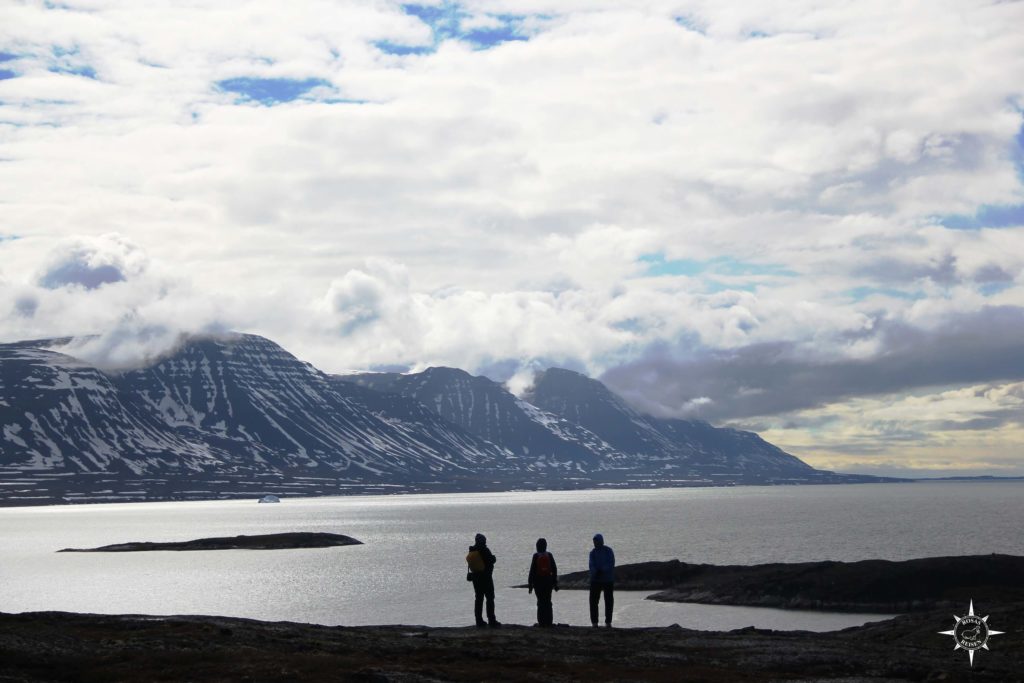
594 624
495 624
481 624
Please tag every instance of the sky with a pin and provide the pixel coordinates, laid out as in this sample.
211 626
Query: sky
804 218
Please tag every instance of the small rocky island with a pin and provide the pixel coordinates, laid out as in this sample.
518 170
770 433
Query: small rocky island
879 586
295 539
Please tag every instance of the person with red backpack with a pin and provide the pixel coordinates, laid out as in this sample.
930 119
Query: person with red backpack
543 579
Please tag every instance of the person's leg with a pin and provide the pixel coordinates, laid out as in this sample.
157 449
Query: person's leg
478 601
489 594
595 597
609 603
544 611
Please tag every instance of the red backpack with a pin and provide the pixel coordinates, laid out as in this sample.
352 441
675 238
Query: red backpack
544 565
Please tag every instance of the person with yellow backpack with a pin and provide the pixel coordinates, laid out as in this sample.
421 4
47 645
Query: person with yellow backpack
481 567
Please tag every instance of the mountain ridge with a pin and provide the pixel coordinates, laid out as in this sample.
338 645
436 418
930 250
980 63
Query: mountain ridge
238 415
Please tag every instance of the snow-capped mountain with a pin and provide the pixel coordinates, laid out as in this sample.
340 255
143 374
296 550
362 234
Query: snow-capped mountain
216 417
485 408
566 416
247 394
656 443
60 415
239 415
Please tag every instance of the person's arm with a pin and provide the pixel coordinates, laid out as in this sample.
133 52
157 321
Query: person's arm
533 571
554 569
593 564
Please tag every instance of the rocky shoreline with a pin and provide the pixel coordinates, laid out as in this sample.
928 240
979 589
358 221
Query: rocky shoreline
282 541
874 586
56 646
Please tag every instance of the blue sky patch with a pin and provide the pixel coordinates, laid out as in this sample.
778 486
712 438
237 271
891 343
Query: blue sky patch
861 293
993 288
69 60
7 56
658 266
994 215
6 74
269 91
690 23
508 31
86 71
403 50
986 217
445 22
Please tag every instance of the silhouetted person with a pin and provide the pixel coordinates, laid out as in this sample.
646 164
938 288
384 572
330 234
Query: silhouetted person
481 566
543 579
602 580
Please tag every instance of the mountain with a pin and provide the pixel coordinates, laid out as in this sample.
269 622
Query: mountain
488 410
566 417
240 416
60 415
215 417
693 445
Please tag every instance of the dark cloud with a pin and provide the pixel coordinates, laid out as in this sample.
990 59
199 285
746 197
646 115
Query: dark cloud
993 273
941 271
79 273
26 306
780 377
92 262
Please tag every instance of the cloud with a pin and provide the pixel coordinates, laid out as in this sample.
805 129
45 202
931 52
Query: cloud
781 377
123 308
92 262
133 343
495 184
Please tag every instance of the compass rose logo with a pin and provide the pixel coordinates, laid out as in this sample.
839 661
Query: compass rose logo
971 633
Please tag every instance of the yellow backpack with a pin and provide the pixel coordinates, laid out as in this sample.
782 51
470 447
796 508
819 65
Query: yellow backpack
476 562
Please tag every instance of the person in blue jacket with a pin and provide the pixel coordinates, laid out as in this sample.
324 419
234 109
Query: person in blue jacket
602 580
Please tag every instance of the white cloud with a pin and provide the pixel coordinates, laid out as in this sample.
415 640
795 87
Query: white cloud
474 206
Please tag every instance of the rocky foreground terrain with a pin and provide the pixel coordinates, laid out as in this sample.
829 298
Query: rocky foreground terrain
55 646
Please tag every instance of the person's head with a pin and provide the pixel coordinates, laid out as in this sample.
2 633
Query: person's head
480 539
542 545
598 540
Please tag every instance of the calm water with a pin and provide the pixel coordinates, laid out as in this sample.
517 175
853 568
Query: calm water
411 569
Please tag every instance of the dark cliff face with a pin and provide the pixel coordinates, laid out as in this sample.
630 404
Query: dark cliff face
590 404
59 415
239 404
489 411
691 446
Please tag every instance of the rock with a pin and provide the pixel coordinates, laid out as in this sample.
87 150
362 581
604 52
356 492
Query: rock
880 586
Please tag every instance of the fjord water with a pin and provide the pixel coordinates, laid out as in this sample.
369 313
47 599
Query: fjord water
411 569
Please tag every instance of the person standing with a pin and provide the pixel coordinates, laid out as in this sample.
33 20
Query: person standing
543 579
602 580
481 568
